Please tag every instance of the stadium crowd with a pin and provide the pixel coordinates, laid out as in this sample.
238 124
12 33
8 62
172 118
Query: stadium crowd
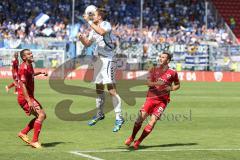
161 20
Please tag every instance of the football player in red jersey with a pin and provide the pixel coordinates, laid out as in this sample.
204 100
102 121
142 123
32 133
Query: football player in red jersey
14 73
161 81
27 100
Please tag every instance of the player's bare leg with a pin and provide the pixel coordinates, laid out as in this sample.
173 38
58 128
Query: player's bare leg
137 125
40 117
15 84
100 99
117 104
147 130
7 88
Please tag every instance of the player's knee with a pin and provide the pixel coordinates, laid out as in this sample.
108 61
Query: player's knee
139 120
112 92
153 121
42 116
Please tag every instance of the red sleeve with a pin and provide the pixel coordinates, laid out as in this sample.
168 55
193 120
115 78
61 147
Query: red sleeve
175 78
22 73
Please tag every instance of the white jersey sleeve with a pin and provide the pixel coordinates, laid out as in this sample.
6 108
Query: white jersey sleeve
106 26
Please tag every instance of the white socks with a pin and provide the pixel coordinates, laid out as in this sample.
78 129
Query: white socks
100 103
116 100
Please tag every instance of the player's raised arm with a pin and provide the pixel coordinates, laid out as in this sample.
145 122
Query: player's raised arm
97 29
151 80
102 29
38 73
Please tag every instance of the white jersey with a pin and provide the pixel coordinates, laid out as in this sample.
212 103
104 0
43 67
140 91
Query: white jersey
104 44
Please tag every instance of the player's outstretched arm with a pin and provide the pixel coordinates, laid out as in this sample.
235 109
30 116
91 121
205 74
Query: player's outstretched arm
38 73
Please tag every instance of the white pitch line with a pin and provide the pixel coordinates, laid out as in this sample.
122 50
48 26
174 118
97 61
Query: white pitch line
85 155
156 150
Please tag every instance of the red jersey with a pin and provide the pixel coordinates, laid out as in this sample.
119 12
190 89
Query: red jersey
26 76
167 76
15 65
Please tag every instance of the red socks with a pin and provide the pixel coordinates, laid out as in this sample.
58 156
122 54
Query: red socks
37 129
36 125
147 130
28 127
136 128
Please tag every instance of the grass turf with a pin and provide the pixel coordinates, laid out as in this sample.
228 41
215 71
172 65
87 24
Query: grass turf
200 116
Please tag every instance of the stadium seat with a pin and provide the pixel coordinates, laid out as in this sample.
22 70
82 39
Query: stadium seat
227 9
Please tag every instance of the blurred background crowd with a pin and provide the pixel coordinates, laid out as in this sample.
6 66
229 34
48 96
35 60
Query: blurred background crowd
162 20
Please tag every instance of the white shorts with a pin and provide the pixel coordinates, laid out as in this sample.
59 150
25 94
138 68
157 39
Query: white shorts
104 71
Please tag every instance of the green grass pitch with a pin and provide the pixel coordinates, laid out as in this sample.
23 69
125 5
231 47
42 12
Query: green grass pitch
201 123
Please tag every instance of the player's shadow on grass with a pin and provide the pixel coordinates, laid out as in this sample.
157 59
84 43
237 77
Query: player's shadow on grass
168 145
161 145
52 144
177 144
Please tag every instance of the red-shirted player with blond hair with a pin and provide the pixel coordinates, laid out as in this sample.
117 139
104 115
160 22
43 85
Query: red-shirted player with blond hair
161 81
27 101
14 73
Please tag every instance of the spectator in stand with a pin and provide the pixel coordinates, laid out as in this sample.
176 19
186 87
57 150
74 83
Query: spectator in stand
232 23
161 19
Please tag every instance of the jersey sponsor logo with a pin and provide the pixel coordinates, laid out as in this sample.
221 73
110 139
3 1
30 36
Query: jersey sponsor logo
168 76
162 80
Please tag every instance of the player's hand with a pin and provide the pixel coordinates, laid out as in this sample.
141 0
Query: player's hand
168 88
80 35
31 106
45 73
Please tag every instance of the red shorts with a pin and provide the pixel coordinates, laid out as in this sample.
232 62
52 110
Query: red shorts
23 103
154 107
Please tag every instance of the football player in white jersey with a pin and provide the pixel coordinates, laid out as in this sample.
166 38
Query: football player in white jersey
104 65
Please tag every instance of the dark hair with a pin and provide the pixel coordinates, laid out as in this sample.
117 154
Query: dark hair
102 12
169 56
22 53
